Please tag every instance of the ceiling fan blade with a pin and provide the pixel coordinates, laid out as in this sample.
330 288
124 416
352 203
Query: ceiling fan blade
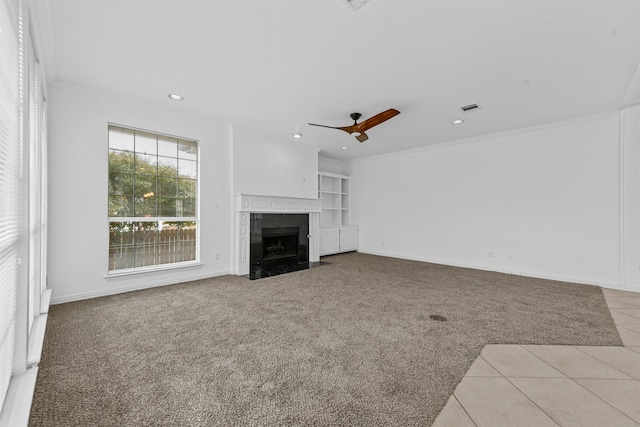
362 137
325 126
347 129
376 120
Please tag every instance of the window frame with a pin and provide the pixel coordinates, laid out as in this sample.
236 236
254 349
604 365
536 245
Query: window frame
23 184
195 219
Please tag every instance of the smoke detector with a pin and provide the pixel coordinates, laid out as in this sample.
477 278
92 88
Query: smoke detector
355 4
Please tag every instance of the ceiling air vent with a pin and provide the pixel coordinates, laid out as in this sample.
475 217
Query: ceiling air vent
469 107
355 4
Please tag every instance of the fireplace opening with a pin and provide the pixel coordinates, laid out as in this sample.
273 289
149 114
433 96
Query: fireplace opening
279 243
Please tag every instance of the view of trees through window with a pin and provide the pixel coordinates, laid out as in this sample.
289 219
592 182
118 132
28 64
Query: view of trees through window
152 199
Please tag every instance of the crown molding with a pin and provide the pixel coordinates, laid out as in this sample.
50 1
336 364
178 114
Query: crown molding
475 139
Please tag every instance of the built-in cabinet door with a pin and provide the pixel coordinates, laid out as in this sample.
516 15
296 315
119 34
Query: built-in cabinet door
329 240
348 239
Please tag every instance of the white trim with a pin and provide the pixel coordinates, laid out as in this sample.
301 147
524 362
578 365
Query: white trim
276 204
475 139
45 301
231 195
621 200
152 268
17 404
499 270
168 135
333 174
251 203
36 340
152 218
137 287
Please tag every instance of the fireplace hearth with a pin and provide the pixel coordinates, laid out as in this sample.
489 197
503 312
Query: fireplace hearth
279 244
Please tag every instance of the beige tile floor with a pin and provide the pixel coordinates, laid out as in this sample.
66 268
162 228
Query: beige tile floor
552 385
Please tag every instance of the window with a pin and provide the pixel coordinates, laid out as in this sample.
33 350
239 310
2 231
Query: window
24 297
11 193
153 187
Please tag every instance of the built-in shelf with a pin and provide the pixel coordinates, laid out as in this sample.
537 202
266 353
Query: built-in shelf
333 190
337 234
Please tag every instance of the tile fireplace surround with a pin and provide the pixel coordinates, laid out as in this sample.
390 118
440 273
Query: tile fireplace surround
246 204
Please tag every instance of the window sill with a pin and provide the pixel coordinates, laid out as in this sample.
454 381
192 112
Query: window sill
17 403
143 270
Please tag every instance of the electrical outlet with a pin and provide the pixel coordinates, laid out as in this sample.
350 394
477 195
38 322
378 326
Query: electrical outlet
490 254
217 257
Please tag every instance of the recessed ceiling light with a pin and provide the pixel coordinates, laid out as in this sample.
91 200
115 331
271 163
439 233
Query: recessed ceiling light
175 97
297 135
457 122
344 147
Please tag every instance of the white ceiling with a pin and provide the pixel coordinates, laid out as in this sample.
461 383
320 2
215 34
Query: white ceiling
275 65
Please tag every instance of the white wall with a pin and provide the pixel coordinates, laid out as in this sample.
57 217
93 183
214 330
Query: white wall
270 167
78 163
540 202
331 165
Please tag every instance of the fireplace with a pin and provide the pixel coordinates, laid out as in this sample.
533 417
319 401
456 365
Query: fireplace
245 243
279 244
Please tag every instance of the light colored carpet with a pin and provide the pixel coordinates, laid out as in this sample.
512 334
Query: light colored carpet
347 343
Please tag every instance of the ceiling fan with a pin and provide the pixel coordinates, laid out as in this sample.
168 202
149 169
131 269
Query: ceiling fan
358 129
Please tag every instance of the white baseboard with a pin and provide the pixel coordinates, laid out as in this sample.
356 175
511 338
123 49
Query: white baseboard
505 271
137 287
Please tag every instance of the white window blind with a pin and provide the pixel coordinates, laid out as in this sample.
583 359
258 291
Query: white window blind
22 211
10 188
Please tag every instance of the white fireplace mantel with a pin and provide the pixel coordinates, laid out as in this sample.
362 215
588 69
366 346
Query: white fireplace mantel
245 204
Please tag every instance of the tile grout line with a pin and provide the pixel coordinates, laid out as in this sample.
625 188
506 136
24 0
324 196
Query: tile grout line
606 295
617 310
527 396
532 401
573 380
601 399
620 326
602 361
516 387
534 355
565 376
580 385
464 409
625 327
465 375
